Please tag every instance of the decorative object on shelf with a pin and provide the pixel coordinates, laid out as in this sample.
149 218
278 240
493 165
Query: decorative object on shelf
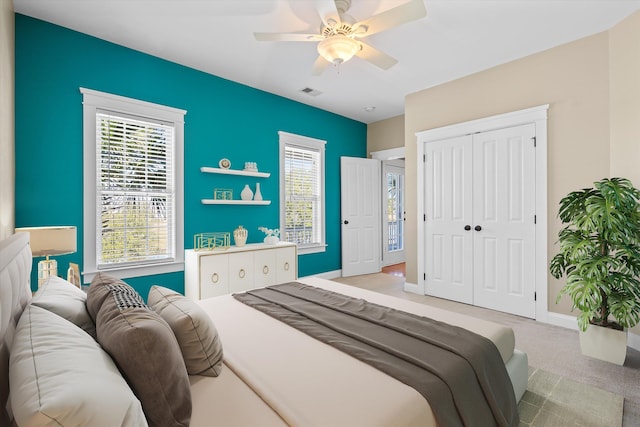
212 241
224 163
251 166
257 195
222 194
49 241
273 235
240 235
246 194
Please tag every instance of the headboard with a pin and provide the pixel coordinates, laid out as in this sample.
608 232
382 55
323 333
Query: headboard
15 293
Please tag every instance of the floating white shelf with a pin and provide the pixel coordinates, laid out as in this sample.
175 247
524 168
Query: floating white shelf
235 202
207 169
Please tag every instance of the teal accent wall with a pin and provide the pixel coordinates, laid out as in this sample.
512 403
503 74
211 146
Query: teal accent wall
224 119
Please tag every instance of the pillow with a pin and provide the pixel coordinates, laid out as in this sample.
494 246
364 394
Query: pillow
67 301
196 334
59 376
144 348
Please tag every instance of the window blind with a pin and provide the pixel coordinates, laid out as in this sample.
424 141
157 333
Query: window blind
135 190
303 210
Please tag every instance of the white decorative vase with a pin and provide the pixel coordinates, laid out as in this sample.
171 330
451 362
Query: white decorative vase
605 344
246 193
271 240
240 236
257 195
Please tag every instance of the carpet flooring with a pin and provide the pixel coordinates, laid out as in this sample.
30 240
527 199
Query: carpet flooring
552 400
554 349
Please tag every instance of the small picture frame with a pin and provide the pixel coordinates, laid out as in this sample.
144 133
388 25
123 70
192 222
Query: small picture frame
222 194
73 275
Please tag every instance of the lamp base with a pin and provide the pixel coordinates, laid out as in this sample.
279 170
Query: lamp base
47 268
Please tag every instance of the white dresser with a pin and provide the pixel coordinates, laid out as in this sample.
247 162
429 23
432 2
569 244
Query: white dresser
212 273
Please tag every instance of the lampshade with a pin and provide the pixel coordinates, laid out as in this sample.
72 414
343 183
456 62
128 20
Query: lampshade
338 49
47 241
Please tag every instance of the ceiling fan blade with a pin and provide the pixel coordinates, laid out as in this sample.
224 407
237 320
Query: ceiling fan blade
327 11
319 66
376 57
287 37
411 11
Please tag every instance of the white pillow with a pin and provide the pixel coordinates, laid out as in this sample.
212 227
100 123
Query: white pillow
67 301
60 376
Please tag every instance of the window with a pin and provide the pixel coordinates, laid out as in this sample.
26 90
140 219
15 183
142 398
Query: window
133 192
302 219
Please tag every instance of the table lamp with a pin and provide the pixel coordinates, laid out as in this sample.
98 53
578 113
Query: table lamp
50 241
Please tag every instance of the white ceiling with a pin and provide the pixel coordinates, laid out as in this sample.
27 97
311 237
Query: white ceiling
455 39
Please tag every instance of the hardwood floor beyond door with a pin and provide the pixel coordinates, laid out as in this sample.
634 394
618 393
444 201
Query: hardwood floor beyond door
399 270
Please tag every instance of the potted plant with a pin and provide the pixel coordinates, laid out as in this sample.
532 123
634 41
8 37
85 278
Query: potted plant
600 258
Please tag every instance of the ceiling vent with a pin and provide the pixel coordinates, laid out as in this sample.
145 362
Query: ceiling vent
310 92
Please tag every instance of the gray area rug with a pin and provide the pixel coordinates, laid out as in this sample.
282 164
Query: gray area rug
551 400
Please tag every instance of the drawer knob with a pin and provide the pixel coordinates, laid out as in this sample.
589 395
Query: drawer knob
215 278
286 266
265 269
241 273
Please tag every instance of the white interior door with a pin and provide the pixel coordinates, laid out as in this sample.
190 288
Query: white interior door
503 220
392 212
480 213
360 210
448 200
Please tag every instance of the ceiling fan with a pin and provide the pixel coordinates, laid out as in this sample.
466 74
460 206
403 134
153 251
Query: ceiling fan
340 35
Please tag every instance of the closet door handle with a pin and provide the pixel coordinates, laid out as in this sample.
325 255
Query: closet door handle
265 269
467 227
214 278
286 266
477 228
241 273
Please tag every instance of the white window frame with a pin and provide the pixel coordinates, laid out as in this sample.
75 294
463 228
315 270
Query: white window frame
93 101
312 144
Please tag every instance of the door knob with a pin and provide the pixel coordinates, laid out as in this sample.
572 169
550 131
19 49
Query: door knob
346 222
467 227
477 228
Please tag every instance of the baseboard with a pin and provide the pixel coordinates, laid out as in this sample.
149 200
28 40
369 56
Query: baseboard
411 287
570 322
327 275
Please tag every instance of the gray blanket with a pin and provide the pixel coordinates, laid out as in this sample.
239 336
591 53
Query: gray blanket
460 373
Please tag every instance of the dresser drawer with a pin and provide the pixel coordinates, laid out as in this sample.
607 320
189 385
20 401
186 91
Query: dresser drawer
214 275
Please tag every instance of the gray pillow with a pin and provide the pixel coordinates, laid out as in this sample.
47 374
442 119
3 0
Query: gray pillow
196 334
67 301
143 346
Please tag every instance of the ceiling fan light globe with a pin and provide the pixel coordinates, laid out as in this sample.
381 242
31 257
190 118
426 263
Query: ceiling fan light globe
338 49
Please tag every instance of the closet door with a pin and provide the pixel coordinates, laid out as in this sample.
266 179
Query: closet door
503 220
449 216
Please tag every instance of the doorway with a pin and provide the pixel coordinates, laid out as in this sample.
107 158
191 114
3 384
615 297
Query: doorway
393 214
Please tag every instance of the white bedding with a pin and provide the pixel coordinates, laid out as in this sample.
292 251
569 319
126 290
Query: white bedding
274 375
309 383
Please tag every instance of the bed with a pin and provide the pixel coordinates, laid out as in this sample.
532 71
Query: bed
271 374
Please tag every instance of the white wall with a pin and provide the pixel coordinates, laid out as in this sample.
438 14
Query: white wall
7 119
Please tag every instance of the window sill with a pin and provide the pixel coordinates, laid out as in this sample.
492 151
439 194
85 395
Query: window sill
311 249
135 271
